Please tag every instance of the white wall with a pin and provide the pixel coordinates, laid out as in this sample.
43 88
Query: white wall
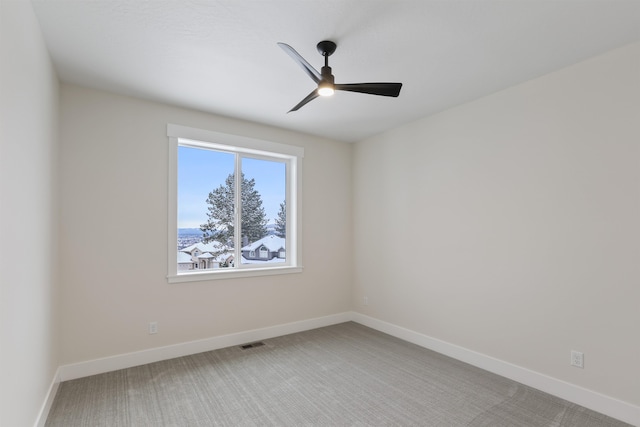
28 216
114 156
510 225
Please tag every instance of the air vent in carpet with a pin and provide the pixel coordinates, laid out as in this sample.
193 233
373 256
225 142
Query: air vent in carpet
251 345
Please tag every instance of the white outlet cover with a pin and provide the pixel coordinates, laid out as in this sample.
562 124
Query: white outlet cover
577 359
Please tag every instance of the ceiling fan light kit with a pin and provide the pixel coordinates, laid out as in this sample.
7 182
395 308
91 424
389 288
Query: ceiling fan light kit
325 80
326 89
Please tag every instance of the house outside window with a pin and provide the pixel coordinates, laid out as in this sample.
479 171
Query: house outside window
228 199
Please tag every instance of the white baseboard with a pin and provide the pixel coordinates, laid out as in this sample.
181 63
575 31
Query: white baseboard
46 406
614 408
128 360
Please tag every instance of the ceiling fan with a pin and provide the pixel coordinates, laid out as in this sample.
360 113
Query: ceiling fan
325 80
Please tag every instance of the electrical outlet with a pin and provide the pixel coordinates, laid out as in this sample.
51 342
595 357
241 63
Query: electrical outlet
365 300
577 359
153 328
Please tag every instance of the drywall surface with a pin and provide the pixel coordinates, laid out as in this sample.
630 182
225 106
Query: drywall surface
28 216
114 179
509 225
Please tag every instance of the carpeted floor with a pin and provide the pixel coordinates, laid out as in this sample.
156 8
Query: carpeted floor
341 375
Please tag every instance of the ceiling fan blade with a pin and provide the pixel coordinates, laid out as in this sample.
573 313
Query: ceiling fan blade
312 72
313 95
384 89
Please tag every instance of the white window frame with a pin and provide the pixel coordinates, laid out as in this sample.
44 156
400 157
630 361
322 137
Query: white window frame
200 138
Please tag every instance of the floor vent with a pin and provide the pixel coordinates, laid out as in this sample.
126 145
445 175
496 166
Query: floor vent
252 345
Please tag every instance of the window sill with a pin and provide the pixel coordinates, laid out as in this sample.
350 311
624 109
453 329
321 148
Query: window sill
231 274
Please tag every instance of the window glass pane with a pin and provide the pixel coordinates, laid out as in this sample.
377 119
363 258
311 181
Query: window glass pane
263 211
205 209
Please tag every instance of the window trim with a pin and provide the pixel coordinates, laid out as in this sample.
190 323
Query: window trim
242 145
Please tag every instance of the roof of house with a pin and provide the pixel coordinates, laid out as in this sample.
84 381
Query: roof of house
205 247
272 242
205 255
224 257
183 258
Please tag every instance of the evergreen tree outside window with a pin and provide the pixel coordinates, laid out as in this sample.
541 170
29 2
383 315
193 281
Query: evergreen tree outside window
281 220
237 196
220 225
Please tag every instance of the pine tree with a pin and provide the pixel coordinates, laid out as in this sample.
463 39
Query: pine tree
281 220
220 222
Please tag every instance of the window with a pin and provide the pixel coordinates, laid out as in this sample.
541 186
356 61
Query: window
233 206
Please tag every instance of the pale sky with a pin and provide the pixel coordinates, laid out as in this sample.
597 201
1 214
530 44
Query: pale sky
201 171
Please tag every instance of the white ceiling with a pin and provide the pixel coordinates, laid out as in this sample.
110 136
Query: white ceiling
221 56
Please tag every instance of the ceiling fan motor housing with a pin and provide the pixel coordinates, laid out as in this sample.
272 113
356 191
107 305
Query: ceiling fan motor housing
326 74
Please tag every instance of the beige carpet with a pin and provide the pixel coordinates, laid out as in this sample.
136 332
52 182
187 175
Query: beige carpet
342 375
